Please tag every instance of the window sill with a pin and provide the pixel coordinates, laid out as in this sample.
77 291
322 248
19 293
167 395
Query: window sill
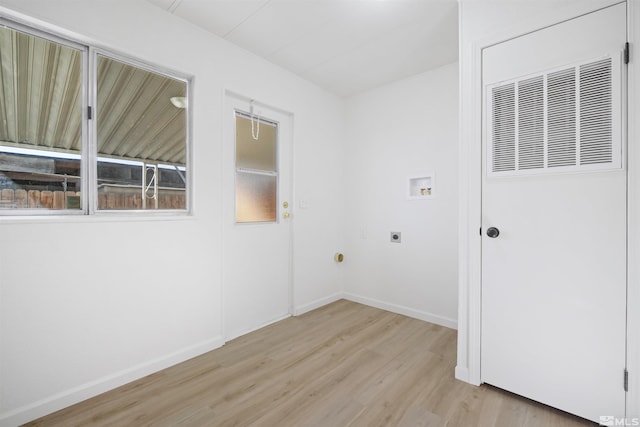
99 217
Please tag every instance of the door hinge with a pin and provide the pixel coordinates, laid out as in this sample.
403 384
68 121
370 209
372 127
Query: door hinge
626 380
480 231
89 113
626 53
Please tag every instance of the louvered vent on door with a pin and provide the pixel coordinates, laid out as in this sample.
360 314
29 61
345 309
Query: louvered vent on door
596 118
561 118
567 119
531 123
504 128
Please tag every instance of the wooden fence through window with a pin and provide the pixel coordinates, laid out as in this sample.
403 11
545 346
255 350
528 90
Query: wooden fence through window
36 199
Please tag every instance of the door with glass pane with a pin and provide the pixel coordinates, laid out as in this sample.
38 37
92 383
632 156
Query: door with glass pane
257 235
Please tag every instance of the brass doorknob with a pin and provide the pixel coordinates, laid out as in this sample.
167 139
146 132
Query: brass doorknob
286 215
285 205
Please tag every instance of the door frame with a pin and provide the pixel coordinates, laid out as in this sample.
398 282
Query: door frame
229 96
470 198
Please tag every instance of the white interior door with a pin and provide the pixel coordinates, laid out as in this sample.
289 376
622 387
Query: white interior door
257 216
554 187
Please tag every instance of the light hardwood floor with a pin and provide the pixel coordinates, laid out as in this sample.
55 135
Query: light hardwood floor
344 364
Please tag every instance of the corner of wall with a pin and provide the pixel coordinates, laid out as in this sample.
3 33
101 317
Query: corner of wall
304 308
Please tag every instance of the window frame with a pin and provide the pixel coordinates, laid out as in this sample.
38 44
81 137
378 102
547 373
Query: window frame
88 131
93 130
84 143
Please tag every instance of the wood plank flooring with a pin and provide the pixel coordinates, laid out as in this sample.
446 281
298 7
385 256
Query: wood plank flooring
344 364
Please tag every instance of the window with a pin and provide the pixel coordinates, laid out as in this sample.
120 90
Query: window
256 169
40 123
128 151
142 138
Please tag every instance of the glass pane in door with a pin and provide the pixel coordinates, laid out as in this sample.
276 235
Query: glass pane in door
256 170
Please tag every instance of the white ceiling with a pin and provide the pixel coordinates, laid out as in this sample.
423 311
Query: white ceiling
344 46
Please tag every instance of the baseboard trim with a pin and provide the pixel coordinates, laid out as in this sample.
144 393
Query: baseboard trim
234 335
317 303
406 311
462 373
70 397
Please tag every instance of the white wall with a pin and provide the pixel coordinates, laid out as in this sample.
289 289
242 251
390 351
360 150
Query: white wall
319 225
405 129
87 304
482 23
